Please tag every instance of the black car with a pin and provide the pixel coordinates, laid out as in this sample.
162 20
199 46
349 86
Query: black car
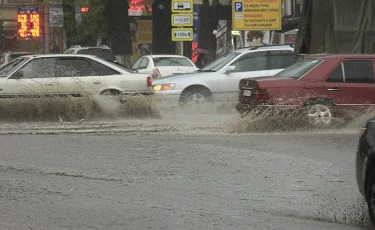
365 166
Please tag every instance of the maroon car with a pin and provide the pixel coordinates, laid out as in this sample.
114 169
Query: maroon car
322 86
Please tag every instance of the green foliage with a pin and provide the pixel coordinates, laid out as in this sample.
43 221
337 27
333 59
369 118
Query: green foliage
91 28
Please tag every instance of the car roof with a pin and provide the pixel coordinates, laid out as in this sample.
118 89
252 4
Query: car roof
340 56
164 55
88 47
59 55
21 52
263 48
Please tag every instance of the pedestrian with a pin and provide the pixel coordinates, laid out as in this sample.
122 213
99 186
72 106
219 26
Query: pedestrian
54 48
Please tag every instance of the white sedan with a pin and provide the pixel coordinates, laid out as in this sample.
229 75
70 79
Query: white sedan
69 75
219 80
164 65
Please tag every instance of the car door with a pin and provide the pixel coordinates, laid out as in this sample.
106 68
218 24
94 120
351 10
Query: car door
79 76
351 84
279 60
247 66
34 79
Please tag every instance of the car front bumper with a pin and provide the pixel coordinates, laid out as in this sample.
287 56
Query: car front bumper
167 97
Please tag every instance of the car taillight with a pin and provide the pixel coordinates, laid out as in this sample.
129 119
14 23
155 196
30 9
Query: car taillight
261 94
362 133
149 81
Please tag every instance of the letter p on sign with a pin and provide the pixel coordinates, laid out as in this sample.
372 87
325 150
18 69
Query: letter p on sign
238 6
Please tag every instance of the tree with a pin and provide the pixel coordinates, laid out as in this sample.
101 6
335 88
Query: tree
162 28
116 19
90 29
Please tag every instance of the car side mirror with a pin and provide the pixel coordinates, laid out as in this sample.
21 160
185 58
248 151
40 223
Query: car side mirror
230 69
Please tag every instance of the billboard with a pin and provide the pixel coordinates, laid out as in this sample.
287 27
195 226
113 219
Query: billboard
256 14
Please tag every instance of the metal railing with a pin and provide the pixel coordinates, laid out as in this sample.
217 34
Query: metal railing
224 40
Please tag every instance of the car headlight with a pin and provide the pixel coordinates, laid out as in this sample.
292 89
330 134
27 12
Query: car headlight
163 87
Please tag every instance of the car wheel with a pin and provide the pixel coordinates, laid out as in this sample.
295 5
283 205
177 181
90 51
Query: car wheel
370 196
320 114
195 97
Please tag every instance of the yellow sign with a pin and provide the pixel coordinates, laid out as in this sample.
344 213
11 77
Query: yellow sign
182 6
182 19
256 14
182 34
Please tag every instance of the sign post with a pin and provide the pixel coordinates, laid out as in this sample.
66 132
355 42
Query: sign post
182 17
256 15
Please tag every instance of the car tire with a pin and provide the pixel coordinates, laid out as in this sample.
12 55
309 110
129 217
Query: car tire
195 96
370 197
319 113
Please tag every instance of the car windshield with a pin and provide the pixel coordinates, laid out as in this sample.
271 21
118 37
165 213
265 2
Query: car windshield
171 61
299 69
219 63
103 53
11 66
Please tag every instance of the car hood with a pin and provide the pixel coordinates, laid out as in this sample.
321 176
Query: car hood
183 77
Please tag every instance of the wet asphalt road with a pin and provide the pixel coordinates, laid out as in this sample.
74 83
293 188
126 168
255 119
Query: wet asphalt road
177 171
177 180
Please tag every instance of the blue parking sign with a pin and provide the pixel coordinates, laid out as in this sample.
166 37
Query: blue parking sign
238 6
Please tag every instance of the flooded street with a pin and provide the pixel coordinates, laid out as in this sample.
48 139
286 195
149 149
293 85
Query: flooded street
176 171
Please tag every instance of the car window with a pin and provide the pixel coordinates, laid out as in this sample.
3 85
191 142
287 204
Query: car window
12 66
251 62
118 65
171 61
137 63
299 69
336 75
101 69
103 53
14 56
220 62
144 63
69 51
358 71
37 68
281 61
81 67
2 60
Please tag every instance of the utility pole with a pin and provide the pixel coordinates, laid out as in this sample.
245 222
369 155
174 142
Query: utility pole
46 32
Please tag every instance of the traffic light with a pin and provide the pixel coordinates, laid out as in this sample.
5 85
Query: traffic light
84 9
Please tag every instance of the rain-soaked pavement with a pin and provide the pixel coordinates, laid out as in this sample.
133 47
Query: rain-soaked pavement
179 171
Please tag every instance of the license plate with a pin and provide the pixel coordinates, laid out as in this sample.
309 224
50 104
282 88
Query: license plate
247 93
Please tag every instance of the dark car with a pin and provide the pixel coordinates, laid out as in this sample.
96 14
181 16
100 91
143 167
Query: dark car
324 87
365 166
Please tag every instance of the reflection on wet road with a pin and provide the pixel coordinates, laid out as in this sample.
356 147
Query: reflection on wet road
176 172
